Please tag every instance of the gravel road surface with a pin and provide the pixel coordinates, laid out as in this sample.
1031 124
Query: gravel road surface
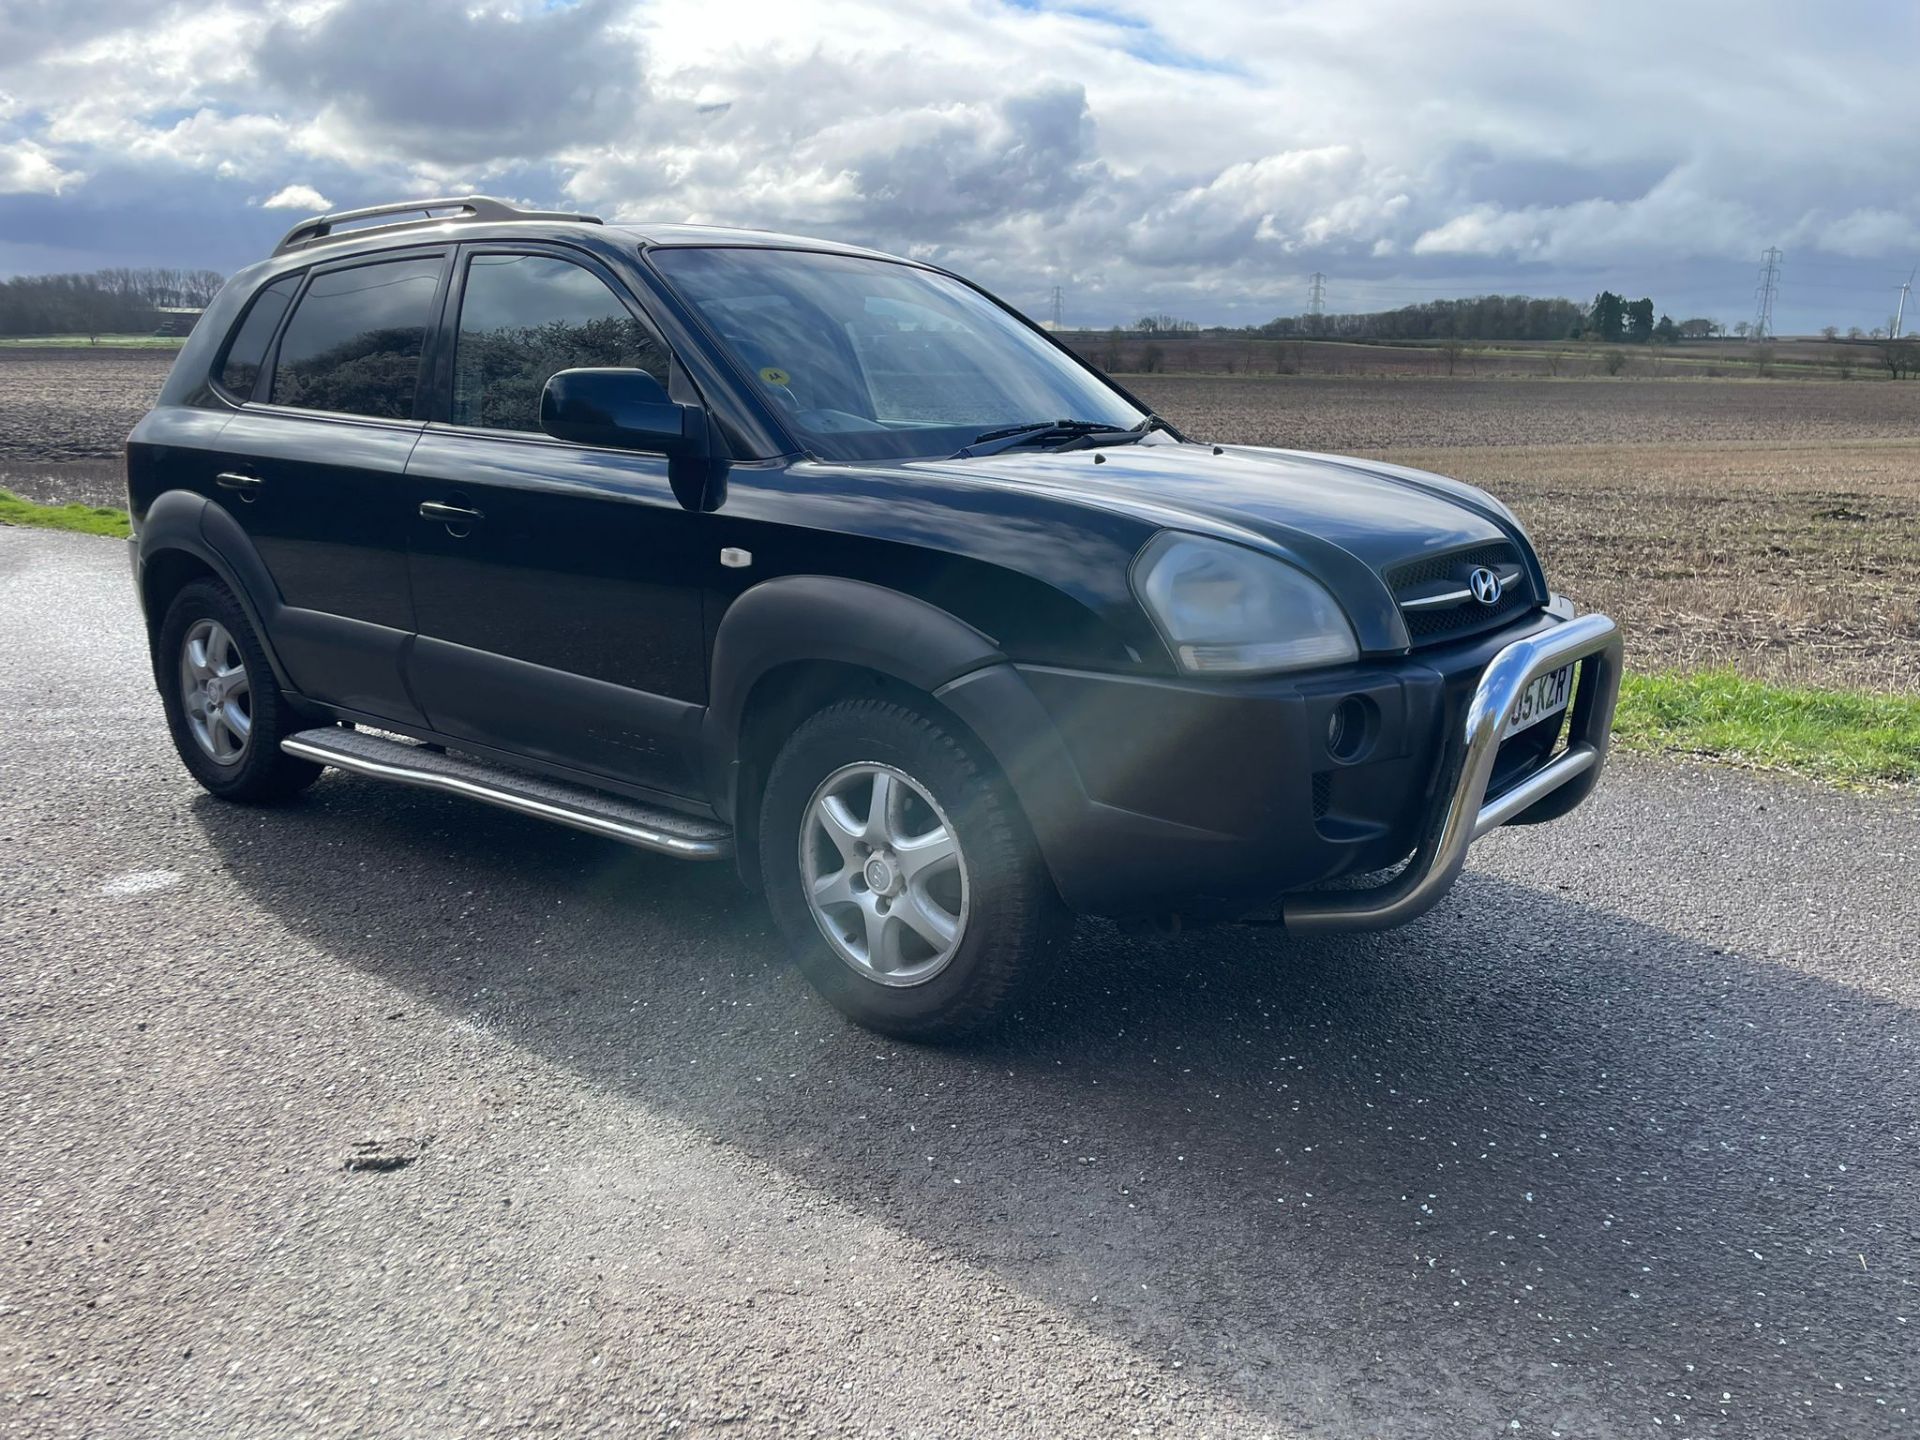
386 1114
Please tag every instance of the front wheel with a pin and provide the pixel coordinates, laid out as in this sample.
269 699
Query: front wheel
900 868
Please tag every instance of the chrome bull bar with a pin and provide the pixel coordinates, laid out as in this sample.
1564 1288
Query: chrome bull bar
1463 813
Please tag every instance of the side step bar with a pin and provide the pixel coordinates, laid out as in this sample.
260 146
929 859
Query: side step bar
647 826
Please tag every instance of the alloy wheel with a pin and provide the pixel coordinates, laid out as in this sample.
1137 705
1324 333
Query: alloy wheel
215 693
884 874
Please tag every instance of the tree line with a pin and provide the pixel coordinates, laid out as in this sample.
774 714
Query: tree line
119 301
1618 320
1611 318
1482 317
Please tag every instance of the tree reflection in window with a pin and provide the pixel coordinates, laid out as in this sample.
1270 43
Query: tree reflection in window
354 341
523 318
248 348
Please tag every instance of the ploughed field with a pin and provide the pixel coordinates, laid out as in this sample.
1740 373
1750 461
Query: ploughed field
61 405
1372 414
64 415
1771 525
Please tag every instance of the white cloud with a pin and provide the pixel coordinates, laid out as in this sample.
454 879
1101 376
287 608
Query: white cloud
1865 232
27 169
1210 163
297 197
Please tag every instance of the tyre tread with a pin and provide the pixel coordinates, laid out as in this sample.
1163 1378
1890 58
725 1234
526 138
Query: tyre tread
267 775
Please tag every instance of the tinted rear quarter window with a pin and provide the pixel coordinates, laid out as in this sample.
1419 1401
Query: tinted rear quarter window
354 342
247 350
523 318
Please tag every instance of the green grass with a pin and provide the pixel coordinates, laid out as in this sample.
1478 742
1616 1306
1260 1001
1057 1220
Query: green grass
1852 739
82 519
68 342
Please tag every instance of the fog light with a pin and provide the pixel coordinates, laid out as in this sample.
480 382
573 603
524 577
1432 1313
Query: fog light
1347 727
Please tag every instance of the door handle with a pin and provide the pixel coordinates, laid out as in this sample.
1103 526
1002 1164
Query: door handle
452 514
247 485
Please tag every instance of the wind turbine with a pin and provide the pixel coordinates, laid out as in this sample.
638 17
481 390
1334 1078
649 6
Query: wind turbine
1901 314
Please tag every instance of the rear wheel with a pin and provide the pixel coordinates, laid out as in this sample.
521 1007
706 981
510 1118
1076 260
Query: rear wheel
900 868
224 708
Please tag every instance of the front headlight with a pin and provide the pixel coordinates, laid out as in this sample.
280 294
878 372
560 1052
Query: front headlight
1228 610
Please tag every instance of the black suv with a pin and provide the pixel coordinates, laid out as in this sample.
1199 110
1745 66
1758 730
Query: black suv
722 543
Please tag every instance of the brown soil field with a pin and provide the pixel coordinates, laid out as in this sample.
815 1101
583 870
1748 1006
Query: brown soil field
1769 525
1792 562
1348 413
74 404
65 413
1221 354
1773 526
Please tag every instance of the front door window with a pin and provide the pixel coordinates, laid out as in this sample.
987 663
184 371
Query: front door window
523 318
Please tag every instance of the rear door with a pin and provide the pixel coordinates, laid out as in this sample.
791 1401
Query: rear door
559 616
312 468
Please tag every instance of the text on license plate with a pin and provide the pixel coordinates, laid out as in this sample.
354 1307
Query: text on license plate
1546 696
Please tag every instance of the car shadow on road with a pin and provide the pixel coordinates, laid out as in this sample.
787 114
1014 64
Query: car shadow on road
1523 1158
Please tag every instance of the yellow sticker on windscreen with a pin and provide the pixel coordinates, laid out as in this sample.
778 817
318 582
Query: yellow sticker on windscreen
774 375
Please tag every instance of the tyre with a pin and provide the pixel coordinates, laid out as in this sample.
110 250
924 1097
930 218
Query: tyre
226 712
898 864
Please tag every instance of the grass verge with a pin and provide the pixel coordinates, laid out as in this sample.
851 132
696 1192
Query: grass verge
91 342
83 519
1850 738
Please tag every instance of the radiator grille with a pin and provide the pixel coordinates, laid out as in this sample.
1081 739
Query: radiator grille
1429 625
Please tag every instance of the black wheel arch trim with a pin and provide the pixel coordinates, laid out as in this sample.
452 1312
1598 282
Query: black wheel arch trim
1092 850
800 618
191 524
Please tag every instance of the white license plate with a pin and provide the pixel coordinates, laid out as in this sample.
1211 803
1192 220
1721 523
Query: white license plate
1545 697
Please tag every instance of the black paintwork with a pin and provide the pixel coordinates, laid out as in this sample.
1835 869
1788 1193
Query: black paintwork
583 622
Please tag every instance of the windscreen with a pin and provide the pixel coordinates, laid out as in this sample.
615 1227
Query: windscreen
868 359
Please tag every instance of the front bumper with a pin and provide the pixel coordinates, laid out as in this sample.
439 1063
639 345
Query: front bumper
1155 794
1464 811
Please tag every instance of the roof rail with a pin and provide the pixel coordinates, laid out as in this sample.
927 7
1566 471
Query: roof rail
467 208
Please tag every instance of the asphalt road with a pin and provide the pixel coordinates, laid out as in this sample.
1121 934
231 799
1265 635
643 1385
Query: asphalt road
1622 1140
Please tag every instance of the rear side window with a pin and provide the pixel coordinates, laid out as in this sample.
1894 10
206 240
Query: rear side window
247 350
525 317
354 342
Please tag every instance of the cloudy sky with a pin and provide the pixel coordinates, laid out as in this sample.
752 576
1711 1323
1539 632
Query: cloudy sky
1201 157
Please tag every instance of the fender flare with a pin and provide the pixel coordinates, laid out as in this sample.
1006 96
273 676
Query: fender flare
190 524
824 618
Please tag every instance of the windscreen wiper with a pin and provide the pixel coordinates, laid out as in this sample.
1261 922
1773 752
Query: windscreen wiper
1108 435
1033 432
1133 434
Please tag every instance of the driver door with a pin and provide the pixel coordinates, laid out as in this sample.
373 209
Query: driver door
556 586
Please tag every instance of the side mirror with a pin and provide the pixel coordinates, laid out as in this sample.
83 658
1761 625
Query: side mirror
623 409
630 410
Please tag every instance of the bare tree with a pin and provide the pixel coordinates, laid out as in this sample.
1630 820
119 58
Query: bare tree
1901 357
